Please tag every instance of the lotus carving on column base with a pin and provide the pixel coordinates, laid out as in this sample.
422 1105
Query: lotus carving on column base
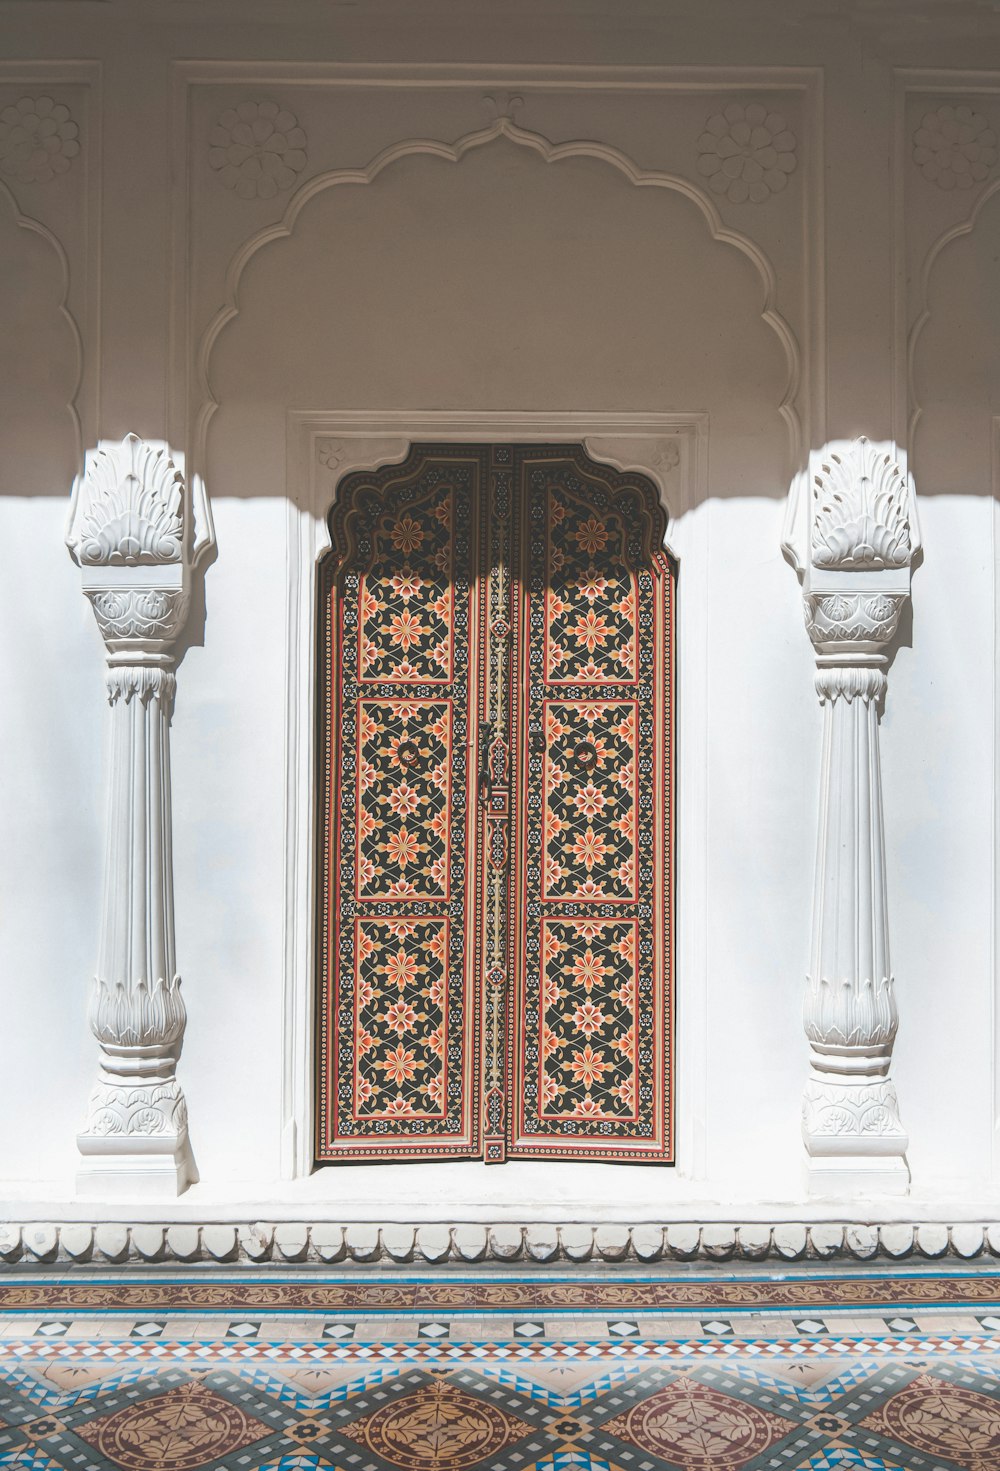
138 1015
851 1012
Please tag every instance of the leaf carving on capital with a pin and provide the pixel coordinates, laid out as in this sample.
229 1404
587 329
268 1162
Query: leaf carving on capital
140 613
861 512
853 618
130 508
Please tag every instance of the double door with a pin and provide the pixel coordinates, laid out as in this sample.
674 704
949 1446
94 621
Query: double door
495 907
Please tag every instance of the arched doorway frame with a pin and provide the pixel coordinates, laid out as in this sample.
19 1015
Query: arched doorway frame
323 447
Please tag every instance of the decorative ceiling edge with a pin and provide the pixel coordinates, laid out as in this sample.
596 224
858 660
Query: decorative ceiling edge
253 1243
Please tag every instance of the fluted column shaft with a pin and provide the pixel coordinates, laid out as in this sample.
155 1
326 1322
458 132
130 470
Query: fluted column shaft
850 1009
129 535
136 1009
853 536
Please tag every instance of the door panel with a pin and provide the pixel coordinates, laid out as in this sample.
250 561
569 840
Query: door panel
399 973
496 826
589 1037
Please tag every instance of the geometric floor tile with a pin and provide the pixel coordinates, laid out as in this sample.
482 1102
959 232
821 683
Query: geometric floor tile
302 1370
941 1419
438 1425
845 1459
691 1424
187 1426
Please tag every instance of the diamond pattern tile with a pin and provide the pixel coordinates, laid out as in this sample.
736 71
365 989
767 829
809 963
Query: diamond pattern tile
318 1376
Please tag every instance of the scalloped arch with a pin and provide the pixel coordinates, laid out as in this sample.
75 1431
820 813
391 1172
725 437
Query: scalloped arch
35 227
452 153
954 232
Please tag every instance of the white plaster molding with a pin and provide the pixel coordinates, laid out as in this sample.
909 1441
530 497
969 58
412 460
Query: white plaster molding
247 1243
80 258
853 534
26 222
672 449
505 84
133 534
912 298
551 153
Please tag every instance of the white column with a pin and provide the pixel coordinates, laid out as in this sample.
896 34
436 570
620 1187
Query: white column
132 531
855 545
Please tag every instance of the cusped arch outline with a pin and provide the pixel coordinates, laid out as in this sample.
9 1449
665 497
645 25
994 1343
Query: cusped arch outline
35 227
550 152
953 232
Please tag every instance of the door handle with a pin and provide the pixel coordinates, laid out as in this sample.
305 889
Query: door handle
485 774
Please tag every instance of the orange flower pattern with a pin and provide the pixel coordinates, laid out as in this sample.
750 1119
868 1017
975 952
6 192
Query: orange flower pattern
401 1018
404 780
590 799
591 1052
590 595
589 1020
406 598
395 1075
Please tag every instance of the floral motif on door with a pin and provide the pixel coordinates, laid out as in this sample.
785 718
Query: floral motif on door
496 824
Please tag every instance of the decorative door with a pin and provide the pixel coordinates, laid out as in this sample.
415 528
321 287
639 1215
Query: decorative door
496 825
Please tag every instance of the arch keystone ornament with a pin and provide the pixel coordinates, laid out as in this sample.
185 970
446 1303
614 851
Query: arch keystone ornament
853 537
137 534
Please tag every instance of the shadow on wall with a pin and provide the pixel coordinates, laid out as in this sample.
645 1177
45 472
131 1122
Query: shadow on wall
40 359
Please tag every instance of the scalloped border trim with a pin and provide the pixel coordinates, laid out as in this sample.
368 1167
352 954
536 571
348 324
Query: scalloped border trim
255 1242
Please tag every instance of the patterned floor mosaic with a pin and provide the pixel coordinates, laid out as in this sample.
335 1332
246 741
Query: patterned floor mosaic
702 1371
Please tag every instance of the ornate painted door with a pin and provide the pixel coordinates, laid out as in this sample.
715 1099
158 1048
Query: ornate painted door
496 715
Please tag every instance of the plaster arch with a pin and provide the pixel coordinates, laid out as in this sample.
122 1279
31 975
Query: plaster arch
26 310
947 238
954 361
502 128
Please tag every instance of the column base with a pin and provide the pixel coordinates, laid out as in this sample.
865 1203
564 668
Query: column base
854 1140
848 1177
136 1141
107 1176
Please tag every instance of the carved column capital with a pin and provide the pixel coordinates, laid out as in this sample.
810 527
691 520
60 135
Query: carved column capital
853 537
132 533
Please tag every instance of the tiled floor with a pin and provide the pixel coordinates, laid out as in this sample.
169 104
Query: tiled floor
616 1371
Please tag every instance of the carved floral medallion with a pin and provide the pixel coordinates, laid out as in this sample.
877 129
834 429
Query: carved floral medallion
954 147
257 149
746 153
38 140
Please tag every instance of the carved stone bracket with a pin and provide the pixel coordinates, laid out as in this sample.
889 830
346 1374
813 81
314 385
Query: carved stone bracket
854 537
133 533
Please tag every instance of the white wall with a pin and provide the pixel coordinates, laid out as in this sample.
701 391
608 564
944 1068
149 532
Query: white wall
501 274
